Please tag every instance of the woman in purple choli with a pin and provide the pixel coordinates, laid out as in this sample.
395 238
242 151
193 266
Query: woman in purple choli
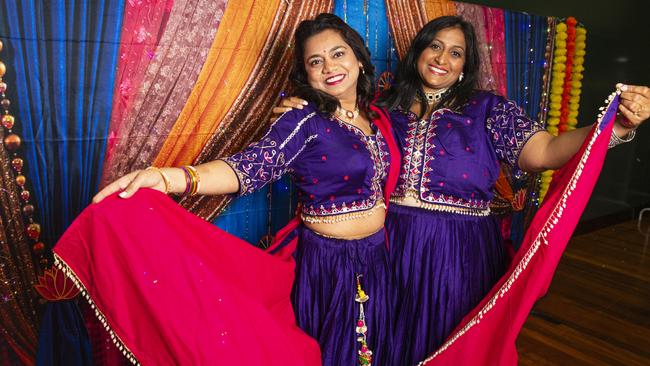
446 248
337 150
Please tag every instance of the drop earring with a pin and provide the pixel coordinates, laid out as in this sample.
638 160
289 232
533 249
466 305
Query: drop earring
460 78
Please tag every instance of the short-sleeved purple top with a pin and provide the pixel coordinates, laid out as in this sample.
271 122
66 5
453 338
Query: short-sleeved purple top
452 159
337 168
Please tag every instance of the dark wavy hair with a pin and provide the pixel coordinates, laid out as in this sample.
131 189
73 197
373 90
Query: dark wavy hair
408 83
298 76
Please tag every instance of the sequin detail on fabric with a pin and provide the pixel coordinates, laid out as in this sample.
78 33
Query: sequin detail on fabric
510 129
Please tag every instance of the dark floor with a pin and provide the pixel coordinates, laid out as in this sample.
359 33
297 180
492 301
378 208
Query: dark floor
597 310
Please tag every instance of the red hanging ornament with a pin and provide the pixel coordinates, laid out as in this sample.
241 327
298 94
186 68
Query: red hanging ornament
34 231
8 121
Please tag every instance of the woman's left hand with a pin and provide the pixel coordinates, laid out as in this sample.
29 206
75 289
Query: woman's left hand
634 107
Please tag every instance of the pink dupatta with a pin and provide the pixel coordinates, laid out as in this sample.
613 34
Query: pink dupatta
171 288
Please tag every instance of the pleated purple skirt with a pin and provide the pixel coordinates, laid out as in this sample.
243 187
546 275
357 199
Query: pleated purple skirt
324 295
444 264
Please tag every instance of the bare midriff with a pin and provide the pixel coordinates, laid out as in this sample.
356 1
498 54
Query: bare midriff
409 201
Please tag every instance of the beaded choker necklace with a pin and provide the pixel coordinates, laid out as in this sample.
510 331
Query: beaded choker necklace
347 116
434 97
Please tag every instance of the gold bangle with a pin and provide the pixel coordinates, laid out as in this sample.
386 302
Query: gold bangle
165 177
196 180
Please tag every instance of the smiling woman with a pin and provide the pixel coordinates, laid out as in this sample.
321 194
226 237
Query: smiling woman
341 153
441 64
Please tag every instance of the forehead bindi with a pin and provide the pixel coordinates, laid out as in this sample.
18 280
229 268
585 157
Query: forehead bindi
323 43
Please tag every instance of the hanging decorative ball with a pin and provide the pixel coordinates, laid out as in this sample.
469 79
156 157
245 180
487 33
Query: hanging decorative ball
34 231
3 87
28 210
6 103
24 195
12 142
20 180
1 45
17 164
3 69
38 247
8 121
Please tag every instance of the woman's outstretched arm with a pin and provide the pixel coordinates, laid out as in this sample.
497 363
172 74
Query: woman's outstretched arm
544 151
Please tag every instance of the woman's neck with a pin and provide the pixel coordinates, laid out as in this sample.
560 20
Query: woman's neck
349 104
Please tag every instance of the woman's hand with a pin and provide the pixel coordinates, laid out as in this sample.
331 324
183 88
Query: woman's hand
634 108
287 104
130 183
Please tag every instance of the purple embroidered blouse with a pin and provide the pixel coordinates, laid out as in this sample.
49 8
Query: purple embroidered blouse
336 167
451 162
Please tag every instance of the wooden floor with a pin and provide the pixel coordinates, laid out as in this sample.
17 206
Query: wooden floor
597 310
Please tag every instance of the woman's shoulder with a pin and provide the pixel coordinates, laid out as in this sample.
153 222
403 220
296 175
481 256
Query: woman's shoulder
487 97
300 116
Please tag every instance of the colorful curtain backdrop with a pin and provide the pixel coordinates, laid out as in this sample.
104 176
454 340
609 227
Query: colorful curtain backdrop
232 117
62 57
105 87
526 45
162 54
64 61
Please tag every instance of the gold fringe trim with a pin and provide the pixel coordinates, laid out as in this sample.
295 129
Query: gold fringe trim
552 220
443 208
332 219
60 264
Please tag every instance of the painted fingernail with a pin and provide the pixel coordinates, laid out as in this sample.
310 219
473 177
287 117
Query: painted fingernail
304 102
122 194
624 87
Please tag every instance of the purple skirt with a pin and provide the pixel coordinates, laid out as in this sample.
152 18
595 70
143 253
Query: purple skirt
444 264
324 295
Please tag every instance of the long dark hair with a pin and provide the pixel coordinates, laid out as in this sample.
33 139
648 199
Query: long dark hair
325 102
408 84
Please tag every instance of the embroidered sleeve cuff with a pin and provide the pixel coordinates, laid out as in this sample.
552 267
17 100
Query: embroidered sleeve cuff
516 171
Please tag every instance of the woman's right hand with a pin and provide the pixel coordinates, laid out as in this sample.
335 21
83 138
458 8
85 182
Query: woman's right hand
287 104
130 183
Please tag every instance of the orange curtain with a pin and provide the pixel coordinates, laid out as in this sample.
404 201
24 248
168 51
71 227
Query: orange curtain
237 47
157 87
239 85
407 17
438 8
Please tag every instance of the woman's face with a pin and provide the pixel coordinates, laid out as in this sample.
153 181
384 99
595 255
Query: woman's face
331 65
440 64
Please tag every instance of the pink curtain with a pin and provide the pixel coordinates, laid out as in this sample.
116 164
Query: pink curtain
153 90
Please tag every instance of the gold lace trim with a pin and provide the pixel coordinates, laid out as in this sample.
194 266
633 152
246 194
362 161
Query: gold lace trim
332 219
60 264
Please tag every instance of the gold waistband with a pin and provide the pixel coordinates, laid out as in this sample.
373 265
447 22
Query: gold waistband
470 211
331 219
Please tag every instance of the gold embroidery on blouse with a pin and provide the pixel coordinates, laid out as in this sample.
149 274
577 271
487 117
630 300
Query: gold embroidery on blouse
332 219
439 207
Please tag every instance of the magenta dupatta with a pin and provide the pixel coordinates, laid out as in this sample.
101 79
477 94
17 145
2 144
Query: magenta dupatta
171 288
